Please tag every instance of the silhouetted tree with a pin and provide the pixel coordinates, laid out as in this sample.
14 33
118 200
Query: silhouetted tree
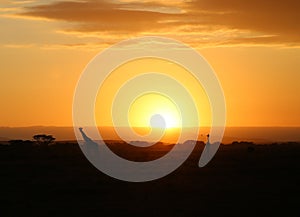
43 139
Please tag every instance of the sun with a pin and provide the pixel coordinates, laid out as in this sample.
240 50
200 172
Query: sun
154 110
140 110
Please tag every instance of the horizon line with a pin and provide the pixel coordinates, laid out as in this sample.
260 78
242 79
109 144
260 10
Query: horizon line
233 126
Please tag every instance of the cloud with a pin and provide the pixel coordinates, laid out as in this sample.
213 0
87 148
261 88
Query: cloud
92 16
19 45
278 18
22 2
243 22
76 46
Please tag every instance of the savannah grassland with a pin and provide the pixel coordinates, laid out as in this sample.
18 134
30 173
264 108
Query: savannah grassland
243 179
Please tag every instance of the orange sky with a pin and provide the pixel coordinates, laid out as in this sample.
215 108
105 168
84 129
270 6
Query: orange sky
253 46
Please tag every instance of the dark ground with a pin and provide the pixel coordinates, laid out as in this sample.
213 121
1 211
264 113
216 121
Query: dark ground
241 180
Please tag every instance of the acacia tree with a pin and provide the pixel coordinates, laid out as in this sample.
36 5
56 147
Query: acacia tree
43 139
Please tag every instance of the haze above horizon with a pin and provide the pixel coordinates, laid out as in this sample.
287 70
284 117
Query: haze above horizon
253 46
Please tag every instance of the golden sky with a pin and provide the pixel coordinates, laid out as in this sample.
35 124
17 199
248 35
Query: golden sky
253 46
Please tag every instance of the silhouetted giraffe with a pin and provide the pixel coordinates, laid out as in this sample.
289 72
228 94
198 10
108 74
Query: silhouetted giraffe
91 146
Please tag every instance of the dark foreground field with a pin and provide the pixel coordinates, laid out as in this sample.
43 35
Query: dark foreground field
241 180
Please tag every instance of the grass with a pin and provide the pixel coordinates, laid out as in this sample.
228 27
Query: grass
240 181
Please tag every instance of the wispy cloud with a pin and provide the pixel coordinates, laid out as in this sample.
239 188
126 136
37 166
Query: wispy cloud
78 46
241 22
278 18
19 45
22 2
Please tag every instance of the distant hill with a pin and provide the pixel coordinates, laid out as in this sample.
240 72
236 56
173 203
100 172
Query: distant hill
4 139
60 133
254 134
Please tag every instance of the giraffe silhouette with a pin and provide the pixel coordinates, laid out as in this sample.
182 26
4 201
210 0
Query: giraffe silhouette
208 142
92 147
209 150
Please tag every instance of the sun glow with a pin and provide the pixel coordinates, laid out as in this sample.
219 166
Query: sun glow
151 109
154 110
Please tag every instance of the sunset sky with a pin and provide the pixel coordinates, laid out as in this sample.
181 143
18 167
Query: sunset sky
253 46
